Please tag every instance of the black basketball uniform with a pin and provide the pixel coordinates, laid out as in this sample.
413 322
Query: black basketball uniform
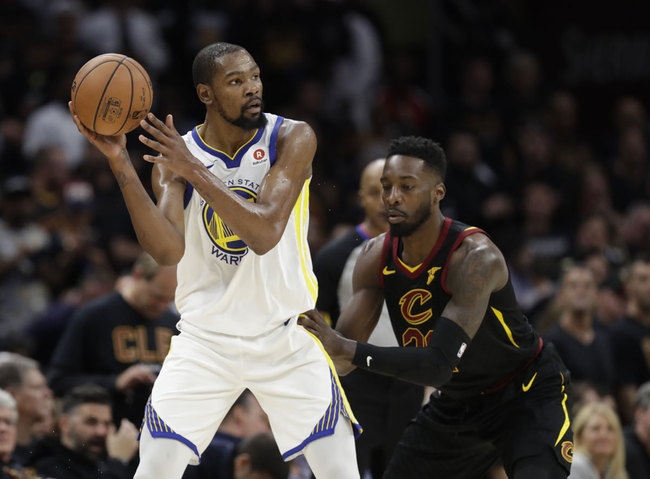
382 405
508 397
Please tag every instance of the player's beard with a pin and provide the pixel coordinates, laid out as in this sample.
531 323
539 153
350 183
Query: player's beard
407 228
242 121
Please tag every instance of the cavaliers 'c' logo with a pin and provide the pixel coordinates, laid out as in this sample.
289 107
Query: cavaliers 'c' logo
567 451
413 308
221 235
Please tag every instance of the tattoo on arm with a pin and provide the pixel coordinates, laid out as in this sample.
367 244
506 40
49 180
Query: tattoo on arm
122 179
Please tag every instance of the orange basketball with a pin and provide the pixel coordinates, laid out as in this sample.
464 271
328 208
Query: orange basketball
111 93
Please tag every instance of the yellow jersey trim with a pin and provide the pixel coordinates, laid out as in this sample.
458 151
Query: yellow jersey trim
567 421
301 211
499 316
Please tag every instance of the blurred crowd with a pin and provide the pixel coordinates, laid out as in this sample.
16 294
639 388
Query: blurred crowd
566 201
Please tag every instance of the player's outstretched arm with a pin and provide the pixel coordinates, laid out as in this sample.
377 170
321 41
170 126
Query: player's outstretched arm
359 317
261 224
476 270
159 230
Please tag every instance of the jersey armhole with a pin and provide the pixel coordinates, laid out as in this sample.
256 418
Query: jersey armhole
463 234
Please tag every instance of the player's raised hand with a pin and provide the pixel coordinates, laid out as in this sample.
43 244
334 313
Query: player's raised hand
173 152
110 146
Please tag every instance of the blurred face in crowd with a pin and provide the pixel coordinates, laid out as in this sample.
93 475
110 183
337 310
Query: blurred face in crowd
84 429
599 437
638 286
579 291
8 420
370 195
153 296
642 424
34 397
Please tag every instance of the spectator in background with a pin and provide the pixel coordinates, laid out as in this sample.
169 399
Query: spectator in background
637 436
22 378
636 229
547 241
258 457
120 340
631 336
124 26
599 447
49 174
9 467
583 346
89 446
244 419
50 125
44 332
470 180
628 172
383 405
23 293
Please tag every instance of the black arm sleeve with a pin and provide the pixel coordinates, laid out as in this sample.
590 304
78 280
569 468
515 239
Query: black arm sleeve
429 366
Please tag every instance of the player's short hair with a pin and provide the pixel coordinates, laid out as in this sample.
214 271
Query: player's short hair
264 455
85 394
418 147
205 64
14 368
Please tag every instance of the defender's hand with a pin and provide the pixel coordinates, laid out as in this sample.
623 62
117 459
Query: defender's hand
338 347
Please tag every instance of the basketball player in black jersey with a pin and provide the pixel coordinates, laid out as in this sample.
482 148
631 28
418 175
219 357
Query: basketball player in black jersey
502 395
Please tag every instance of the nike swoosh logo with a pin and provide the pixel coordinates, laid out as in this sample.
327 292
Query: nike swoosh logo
388 271
368 359
526 387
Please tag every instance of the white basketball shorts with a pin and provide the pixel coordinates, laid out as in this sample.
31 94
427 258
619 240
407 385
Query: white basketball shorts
286 369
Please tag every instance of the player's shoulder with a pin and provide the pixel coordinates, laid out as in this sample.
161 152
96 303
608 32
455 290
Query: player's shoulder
296 130
373 249
478 255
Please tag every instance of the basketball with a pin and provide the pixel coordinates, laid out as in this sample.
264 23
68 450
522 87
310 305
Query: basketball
111 93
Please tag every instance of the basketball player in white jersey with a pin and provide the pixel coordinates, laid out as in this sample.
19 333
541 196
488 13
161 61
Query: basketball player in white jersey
232 212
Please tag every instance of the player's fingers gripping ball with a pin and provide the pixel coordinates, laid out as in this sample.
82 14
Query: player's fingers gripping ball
111 93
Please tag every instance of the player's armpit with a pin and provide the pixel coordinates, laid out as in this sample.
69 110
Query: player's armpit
429 366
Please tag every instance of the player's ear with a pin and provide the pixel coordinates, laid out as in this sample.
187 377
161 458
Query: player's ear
204 92
439 192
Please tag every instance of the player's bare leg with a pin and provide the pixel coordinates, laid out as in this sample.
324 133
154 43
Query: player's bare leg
335 455
161 457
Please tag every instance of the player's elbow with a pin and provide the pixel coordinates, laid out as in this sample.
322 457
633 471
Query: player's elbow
262 243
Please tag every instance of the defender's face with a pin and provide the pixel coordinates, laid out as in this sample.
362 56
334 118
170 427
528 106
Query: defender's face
237 88
410 192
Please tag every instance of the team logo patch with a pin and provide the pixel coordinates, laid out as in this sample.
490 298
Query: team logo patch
567 451
221 235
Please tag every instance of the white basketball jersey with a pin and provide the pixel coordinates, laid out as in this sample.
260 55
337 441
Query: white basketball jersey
223 286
